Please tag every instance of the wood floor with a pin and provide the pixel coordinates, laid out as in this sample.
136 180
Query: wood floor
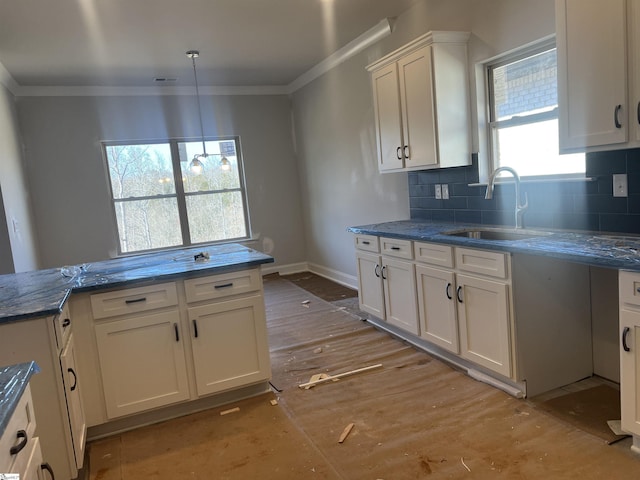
415 417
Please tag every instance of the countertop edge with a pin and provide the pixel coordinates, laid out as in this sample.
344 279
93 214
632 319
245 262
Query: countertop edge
13 382
579 247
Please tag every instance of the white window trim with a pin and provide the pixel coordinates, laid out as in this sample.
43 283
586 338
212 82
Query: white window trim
485 130
179 194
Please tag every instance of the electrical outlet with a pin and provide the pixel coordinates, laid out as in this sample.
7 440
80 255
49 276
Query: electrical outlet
620 185
438 191
445 191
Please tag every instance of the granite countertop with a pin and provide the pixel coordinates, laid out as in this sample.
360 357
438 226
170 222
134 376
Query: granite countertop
13 382
619 251
44 292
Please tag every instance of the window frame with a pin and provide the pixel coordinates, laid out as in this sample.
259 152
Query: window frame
492 125
180 195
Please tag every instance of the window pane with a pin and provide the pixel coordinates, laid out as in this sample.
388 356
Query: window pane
148 224
140 170
532 149
213 177
525 86
216 216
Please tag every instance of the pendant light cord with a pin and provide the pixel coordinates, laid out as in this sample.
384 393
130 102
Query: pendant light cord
194 54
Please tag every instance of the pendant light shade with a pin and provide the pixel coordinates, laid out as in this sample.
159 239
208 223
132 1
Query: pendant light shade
198 161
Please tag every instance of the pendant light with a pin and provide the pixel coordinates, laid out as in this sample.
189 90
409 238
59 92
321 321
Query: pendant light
197 162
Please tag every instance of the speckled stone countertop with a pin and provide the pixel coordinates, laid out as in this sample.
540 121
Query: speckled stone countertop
13 381
44 292
619 251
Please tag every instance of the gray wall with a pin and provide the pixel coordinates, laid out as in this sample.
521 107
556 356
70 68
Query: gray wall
17 238
334 122
68 178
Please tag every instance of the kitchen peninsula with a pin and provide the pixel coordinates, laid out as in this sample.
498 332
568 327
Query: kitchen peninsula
135 340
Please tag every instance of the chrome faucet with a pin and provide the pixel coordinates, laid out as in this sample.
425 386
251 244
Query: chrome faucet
520 208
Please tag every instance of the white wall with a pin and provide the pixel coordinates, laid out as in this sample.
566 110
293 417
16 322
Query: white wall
17 238
68 178
334 123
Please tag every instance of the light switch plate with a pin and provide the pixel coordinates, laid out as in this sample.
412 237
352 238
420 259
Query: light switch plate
438 191
620 185
445 191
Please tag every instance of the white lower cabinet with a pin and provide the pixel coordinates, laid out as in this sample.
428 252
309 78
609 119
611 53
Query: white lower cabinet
229 342
629 288
437 307
370 287
386 283
458 299
164 344
142 362
75 409
483 319
399 294
49 342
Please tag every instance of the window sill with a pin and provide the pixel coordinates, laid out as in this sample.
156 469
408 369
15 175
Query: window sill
536 180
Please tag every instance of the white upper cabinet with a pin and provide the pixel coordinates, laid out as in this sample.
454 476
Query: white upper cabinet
421 104
633 24
592 73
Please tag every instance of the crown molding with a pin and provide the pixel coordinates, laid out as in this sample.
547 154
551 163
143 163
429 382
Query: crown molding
371 36
97 91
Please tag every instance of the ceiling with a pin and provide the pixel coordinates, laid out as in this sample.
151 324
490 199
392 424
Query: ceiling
129 43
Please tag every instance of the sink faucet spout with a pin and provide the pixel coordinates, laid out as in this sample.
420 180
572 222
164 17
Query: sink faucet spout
520 207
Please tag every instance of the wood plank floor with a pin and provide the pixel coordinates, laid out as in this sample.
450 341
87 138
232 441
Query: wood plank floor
415 417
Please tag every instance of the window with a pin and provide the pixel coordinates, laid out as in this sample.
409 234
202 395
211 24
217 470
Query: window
523 116
158 202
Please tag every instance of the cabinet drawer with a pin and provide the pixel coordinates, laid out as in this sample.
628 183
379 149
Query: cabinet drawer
433 253
62 326
23 419
368 243
133 300
397 248
24 462
492 264
629 287
223 285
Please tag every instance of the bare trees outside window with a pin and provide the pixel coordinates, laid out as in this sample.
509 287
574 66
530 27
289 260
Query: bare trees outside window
159 202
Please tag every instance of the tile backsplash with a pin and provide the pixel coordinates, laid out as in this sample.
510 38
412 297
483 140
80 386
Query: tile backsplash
582 205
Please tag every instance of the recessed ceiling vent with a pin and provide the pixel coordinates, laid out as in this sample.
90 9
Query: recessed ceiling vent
165 80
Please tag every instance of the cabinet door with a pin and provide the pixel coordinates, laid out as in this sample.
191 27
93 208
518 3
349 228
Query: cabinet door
77 421
633 31
630 371
229 341
437 308
142 363
386 105
400 294
370 293
483 317
592 72
418 121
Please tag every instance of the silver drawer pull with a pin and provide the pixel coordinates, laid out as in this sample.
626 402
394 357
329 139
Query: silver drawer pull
136 300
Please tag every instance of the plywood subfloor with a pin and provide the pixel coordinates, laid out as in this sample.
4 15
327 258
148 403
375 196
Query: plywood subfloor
415 417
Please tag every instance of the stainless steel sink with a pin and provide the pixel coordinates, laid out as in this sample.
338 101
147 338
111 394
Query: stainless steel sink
496 234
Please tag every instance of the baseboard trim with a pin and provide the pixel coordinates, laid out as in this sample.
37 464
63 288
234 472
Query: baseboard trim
334 275
286 269
326 272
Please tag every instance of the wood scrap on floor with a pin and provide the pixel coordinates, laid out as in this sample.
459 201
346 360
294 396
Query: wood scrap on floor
346 432
231 410
323 377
